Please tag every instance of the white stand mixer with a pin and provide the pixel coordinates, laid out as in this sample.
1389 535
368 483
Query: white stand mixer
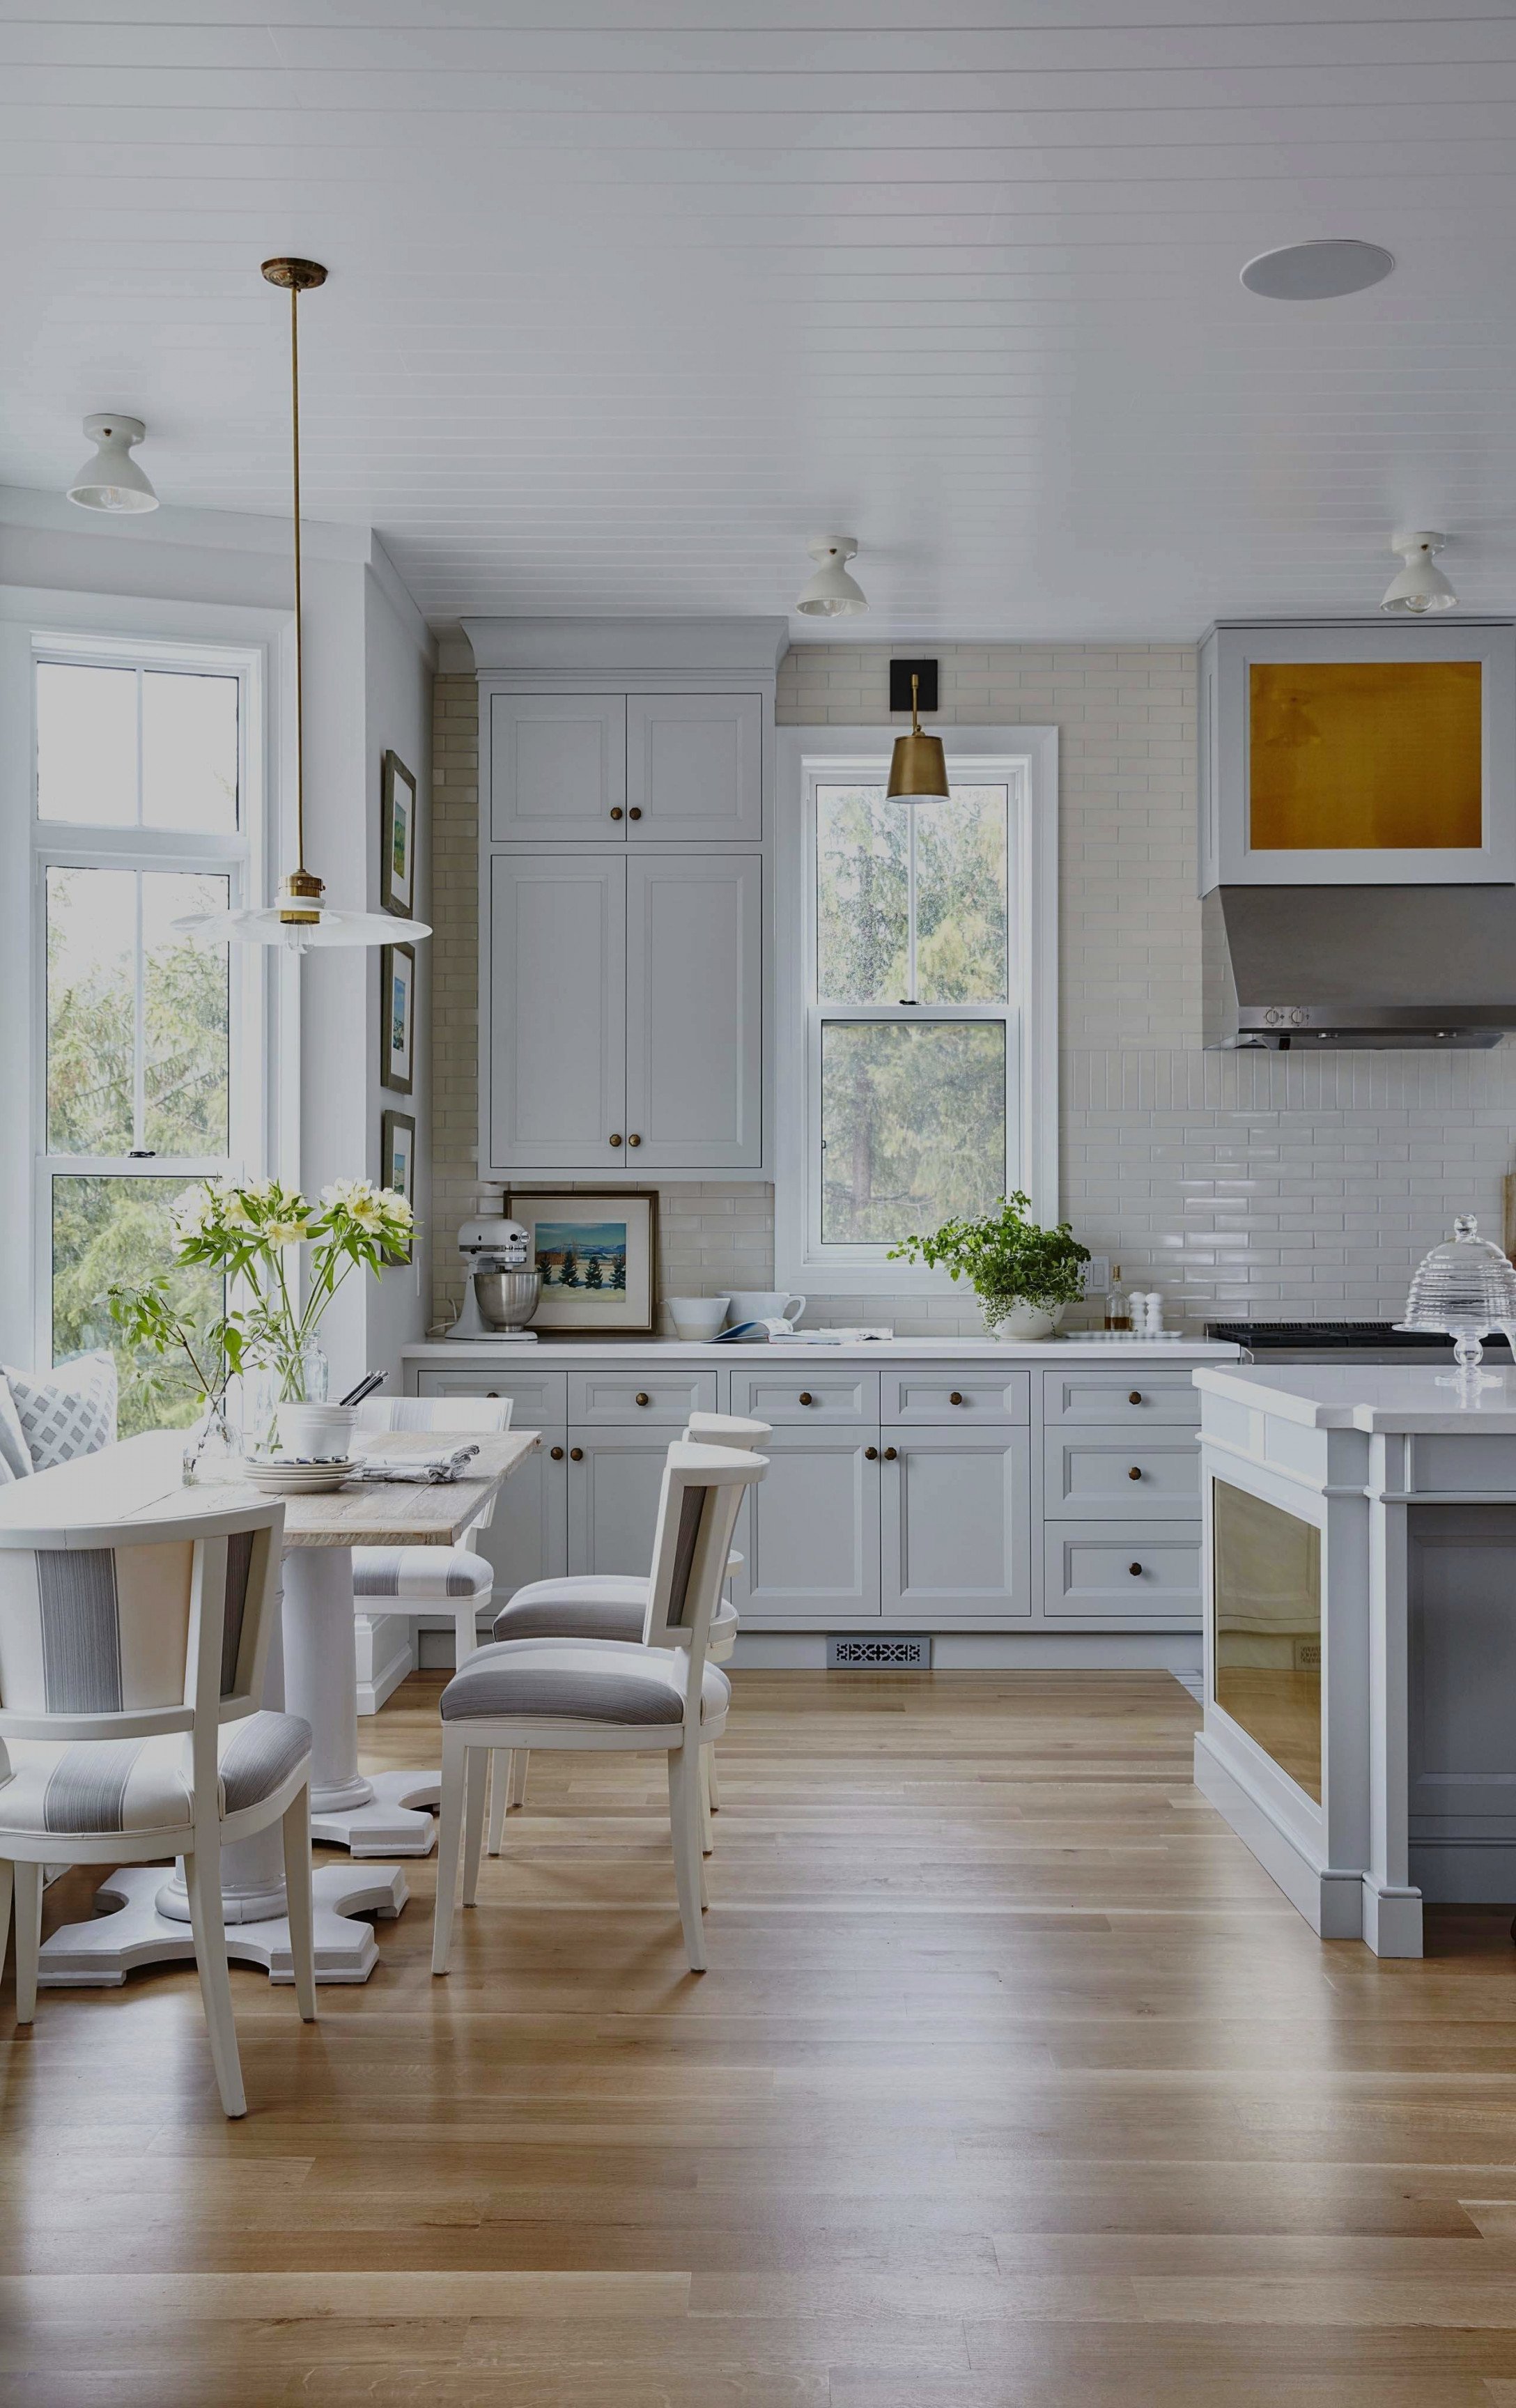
501 1287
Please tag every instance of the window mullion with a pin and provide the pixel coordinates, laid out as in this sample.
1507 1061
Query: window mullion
909 996
139 1048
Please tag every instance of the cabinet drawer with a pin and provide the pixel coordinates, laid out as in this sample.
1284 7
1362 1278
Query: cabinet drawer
1134 1396
537 1398
1121 1475
800 1395
1091 1569
598 1397
953 1398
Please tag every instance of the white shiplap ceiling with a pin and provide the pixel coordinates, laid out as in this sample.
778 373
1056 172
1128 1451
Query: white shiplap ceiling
629 297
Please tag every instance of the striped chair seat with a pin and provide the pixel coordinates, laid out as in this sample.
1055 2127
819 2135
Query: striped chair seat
143 1784
596 1605
420 1575
580 1680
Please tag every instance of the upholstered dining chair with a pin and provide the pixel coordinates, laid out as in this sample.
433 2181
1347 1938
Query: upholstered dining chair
421 1581
606 1693
131 1661
613 1605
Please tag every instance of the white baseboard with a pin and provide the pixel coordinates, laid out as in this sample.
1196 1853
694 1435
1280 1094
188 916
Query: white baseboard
1330 1902
995 1651
385 1680
384 1654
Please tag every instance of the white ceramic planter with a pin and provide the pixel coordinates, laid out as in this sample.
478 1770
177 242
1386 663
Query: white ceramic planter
1027 1322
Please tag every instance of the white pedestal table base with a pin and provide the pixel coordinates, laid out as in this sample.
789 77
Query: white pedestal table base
100 1953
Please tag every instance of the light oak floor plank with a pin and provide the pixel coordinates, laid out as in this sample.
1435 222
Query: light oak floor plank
1014 2083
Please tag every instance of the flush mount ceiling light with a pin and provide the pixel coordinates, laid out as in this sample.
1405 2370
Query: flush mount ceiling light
1421 587
111 479
1318 271
831 592
918 766
299 918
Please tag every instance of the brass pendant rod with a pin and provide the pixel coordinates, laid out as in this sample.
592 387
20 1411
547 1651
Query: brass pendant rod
299 627
915 679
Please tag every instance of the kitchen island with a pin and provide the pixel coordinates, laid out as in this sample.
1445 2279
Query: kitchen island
1358 1533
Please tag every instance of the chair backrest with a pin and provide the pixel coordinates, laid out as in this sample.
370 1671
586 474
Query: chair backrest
727 1429
119 1631
703 1489
464 1416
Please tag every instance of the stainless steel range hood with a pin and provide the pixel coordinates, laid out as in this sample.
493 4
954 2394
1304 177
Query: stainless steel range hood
1304 968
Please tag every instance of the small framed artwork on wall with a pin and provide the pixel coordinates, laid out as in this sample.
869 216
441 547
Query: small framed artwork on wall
397 1162
397 1016
397 855
598 1257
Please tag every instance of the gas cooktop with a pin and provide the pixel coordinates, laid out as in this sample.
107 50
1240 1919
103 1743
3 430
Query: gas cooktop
1327 1337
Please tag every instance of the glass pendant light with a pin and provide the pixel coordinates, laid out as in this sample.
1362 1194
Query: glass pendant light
918 766
300 919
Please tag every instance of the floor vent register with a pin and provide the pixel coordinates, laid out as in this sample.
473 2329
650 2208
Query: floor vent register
891 1654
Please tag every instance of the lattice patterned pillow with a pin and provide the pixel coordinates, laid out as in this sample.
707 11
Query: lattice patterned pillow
72 1414
15 1454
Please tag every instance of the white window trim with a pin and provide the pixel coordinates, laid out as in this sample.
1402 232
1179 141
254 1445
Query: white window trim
1025 755
244 856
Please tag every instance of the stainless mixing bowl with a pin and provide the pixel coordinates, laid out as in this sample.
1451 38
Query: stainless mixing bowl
507 1299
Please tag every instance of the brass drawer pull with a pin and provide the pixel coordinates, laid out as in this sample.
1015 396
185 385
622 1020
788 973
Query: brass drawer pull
956 1398
556 1453
871 1454
641 1397
806 1396
635 812
492 1393
1136 1397
615 811
1136 1571
634 1141
616 1137
1134 1473
576 1455
890 1453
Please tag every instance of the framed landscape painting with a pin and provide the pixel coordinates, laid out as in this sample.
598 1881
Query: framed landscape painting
397 844
397 1015
598 1257
397 1162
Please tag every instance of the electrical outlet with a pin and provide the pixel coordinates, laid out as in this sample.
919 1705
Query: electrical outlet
1098 1275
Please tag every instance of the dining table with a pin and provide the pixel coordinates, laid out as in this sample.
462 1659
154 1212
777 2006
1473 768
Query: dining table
142 1911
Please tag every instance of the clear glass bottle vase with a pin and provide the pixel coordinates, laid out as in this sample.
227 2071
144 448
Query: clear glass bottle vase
265 1386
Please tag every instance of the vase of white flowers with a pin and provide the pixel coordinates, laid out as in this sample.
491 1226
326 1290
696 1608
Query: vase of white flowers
250 1235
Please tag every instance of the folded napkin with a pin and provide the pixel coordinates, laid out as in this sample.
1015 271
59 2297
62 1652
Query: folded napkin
445 1463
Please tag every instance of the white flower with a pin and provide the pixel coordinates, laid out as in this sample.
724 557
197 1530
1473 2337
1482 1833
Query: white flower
285 1233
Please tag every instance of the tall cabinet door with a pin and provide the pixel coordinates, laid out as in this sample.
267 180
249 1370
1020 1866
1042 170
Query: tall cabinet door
557 1074
695 1011
808 1534
694 766
557 767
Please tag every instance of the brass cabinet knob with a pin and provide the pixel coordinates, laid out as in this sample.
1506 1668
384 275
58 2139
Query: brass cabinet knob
1136 1571
635 813
1134 1473
890 1453
615 811
576 1455
871 1454
1134 1398
806 1396
634 1141
641 1397
956 1398
556 1453
615 1136
492 1393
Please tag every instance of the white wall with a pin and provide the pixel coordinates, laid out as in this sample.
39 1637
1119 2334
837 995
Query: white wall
221 576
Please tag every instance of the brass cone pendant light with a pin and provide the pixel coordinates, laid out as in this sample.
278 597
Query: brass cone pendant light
300 918
918 766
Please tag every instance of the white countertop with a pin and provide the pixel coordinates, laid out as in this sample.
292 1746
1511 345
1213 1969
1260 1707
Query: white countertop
1370 1396
1081 1346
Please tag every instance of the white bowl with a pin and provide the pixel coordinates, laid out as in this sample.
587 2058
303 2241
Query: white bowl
317 1431
698 1317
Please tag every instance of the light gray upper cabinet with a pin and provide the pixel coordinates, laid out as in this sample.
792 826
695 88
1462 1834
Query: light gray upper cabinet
557 1005
695 1011
557 767
694 766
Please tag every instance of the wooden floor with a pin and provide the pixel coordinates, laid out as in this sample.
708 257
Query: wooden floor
1014 2083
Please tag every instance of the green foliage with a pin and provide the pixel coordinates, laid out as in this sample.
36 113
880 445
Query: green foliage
118 1233
1006 1257
863 847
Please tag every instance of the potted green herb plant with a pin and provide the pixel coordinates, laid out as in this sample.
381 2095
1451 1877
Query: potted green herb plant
1023 1275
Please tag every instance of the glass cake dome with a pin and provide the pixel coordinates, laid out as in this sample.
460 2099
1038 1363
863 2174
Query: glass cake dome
1464 1287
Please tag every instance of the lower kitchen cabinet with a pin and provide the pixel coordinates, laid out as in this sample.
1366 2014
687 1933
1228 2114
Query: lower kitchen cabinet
527 1539
1093 1573
614 1480
810 1533
955 1521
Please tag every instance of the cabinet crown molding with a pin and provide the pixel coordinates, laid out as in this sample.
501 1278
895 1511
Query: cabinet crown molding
736 647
